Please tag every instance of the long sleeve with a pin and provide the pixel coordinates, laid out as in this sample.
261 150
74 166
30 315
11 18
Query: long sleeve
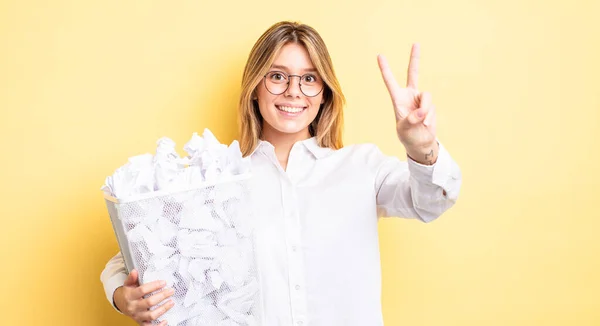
413 190
113 276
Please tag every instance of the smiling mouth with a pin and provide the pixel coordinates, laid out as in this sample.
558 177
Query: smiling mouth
290 109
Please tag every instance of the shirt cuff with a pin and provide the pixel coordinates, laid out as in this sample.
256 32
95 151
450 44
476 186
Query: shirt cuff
111 286
444 173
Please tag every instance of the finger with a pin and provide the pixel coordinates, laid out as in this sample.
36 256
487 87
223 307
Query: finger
158 298
418 115
162 323
152 315
148 288
433 125
425 100
425 105
412 79
390 83
421 113
132 279
430 116
415 117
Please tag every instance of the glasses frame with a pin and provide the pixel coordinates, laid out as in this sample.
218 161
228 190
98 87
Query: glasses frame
289 78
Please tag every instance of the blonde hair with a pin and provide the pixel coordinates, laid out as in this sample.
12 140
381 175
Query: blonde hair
328 124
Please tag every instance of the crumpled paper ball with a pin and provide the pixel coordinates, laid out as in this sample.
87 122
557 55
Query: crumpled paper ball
207 160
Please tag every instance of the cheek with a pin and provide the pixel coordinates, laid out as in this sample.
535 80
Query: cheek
316 101
260 91
263 99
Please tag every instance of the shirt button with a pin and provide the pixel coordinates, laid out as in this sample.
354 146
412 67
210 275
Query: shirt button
294 248
297 287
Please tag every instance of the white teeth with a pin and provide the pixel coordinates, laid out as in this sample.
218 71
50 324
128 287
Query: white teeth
290 109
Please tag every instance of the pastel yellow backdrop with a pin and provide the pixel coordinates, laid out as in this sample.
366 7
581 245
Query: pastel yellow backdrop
86 84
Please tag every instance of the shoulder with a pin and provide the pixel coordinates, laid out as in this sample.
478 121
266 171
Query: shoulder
362 153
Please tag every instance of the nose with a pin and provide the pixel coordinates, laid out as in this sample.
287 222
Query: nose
293 87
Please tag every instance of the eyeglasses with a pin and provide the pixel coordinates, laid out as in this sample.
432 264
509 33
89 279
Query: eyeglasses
278 82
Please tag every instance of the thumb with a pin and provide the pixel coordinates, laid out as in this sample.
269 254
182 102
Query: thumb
415 117
132 279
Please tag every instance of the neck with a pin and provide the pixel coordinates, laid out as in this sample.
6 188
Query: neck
283 142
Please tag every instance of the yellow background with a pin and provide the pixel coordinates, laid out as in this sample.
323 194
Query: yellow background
86 84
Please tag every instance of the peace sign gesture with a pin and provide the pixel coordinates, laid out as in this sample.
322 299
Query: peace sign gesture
415 114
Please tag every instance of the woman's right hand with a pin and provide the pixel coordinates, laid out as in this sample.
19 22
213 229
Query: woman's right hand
130 300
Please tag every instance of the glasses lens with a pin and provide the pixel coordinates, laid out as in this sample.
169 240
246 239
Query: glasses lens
311 85
277 83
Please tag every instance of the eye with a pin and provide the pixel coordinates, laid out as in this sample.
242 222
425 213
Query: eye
277 76
310 79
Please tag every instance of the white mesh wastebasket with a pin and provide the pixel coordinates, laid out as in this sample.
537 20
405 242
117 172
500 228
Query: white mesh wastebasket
200 241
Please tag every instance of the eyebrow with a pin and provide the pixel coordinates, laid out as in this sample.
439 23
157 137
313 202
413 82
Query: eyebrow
286 68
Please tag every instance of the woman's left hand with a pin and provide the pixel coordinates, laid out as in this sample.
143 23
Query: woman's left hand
415 113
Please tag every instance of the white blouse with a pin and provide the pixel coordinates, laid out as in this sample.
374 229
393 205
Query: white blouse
316 233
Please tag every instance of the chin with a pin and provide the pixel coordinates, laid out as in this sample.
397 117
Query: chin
291 129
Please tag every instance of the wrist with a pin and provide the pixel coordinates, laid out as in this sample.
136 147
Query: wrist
117 297
426 155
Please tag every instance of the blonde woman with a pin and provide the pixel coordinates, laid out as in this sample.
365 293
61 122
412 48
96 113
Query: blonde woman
318 202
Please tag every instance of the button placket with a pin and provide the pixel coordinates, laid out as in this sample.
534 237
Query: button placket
295 260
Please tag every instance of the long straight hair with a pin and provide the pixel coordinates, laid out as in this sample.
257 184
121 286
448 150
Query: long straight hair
328 124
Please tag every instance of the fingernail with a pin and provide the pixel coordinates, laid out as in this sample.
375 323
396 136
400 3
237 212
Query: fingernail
420 114
163 283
